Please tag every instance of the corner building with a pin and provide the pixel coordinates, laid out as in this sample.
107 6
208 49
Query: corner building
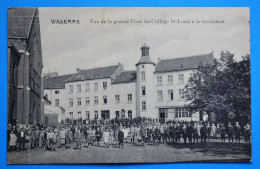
25 38
152 90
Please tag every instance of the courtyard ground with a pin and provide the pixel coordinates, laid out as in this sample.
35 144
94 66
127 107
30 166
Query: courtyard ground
150 153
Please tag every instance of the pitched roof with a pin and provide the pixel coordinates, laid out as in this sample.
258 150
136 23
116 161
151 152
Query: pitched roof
126 77
95 73
50 74
19 21
145 60
57 82
177 64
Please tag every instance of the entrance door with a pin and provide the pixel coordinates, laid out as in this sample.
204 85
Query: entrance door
105 115
162 115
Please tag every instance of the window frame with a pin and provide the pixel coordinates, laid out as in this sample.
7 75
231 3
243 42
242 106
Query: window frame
159 81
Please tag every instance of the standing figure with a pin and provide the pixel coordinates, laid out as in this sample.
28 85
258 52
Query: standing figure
62 139
126 131
222 133
230 131
43 138
208 131
21 139
12 141
247 133
32 139
98 136
78 139
213 131
195 133
203 132
178 130
37 138
89 137
189 131
218 131
157 135
106 137
237 132
167 134
142 133
121 138
184 133
132 133
111 137
51 139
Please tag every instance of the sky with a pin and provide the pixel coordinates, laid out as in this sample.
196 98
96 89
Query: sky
66 47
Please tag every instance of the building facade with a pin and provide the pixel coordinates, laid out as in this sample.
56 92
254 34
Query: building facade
13 63
24 35
152 90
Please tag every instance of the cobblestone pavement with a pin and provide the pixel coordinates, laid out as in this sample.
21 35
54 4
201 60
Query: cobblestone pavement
135 154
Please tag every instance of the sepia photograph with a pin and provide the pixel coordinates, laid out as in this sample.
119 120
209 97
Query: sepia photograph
128 85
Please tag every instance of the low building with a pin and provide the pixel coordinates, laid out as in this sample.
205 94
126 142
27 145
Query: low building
50 118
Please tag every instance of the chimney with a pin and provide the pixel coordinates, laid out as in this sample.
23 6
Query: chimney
78 69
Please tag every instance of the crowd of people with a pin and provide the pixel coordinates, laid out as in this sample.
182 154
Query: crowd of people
115 135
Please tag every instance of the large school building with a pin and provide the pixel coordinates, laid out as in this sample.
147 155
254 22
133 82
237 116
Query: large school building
154 90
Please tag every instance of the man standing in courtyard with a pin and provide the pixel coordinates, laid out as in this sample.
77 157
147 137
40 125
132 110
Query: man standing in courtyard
121 138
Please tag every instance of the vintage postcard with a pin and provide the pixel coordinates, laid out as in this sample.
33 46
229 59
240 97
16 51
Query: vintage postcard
128 85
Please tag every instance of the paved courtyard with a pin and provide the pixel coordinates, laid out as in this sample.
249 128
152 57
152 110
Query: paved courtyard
135 154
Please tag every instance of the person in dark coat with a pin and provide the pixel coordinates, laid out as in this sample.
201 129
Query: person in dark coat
195 133
167 134
121 138
21 139
230 131
189 131
178 130
157 135
8 136
237 132
203 132
184 132
247 133
98 135
222 130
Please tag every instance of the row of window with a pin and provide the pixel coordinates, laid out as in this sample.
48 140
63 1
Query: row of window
171 94
180 112
129 98
170 78
105 100
87 87
117 114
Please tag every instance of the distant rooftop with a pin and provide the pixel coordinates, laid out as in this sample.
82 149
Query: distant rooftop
50 74
57 82
95 73
126 77
184 63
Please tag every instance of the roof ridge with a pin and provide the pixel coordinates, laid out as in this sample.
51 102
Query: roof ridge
185 57
97 68
61 76
129 71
